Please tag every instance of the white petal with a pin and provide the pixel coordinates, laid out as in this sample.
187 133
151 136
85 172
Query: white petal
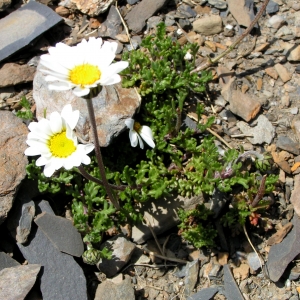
113 79
88 148
55 122
85 160
133 136
69 116
140 142
32 151
146 134
79 92
129 123
49 62
49 170
41 161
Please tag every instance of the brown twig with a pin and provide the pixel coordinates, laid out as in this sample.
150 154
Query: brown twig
239 39
181 261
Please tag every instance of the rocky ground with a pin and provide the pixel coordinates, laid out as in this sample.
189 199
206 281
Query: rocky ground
255 99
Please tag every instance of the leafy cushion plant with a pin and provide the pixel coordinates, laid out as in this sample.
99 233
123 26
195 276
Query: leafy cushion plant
184 161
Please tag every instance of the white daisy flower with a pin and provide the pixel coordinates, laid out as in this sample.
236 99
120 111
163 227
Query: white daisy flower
138 133
83 66
56 142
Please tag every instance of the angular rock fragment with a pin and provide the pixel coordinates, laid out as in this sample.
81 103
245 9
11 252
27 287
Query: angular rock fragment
6 261
137 17
242 11
23 230
295 197
121 253
17 33
232 291
191 276
205 294
92 8
263 132
116 288
112 107
12 74
13 161
61 278
61 232
280 255
112 26
244 105
16 282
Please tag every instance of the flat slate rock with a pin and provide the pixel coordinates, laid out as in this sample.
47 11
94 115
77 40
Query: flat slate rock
61 233
137 17
282 254
205 294
6 261
16 282
62 278
232 291
22 26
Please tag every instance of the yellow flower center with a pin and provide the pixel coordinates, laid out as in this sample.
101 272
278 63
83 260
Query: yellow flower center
137 127
60 145
84 74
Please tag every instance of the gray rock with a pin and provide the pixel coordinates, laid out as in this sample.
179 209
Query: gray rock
153 22
16 282
162 213
18 34
122 250
220 4
208 25
24 228
44 206
280 255
227 115
191 276
263 132
205 294
61 233
187 11
272 7
112 107
232 291
185 24
115 289
6 261
276 21
297 70
131 2
62 278
253 261
137 17
285 143
13 161
112 25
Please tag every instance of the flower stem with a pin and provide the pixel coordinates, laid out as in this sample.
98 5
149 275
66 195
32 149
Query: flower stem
88 176
98 153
